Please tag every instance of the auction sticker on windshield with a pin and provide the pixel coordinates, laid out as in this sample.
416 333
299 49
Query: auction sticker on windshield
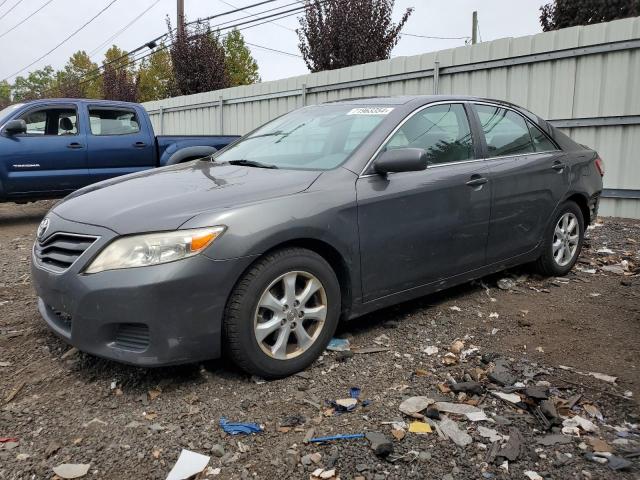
370 111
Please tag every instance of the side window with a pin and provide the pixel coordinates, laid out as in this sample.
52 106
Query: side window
51 121
442 130
105 121
540 141
506 132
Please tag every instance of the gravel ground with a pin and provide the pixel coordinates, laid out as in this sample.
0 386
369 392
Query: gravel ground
67 407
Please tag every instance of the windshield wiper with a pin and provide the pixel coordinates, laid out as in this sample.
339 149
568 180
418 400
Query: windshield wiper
251 163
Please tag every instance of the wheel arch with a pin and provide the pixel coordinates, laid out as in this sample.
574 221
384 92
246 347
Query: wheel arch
582 202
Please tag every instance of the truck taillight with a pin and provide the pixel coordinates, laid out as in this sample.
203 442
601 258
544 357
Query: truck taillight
599 165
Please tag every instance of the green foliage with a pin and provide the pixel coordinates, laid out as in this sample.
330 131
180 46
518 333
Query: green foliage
38 84
155 76
569 13
5 94
241 66
119 76
80 78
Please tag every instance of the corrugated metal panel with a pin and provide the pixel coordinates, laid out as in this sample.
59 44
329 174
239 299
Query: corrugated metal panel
579 85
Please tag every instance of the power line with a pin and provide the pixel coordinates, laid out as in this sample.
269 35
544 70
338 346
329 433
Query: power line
26 18
63 41
14 6
122 30
3 2
433 38
274 50
253 15
85 78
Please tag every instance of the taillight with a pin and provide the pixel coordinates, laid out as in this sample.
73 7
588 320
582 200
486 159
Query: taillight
599 165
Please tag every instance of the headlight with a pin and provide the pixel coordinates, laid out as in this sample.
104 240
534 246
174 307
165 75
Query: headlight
153 249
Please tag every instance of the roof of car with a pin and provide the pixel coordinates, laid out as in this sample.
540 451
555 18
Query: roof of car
404 99
81 100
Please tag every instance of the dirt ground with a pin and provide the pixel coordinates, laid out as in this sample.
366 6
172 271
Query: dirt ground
132 423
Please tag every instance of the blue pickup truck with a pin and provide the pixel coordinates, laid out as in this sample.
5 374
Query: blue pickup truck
49 148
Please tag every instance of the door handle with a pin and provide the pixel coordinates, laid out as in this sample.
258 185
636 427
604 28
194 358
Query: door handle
139 145
558 167
477 181
74 145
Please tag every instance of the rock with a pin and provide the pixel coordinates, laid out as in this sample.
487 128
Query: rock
424 457
549 410
467 387
511 450
451 430
618 463
229 458
583 423
412 406
501 374
554 439
217 450
506 284
380 444
538 393
594 458
71 470
344 356
489 433
291 457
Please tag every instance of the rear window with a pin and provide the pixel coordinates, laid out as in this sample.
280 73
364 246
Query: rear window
505 131
113 121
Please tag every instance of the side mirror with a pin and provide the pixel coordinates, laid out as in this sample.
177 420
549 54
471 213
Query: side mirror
15 127
401 160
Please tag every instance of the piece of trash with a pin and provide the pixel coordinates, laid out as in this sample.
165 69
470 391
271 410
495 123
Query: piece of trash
236 428
345 404
456 347
506 284
95 421
383 340
450 359
338 345
494 331
323 474
531 475
431 350
599 445
365 350
450 429
5 364
593 411
189 464
494 315
379 443
507 397
456 408
8 439
603 377
605 251
477 416
354 392
489 433
153 394
594 294
71 470
455 309
419 427
332 438
583 423
412 406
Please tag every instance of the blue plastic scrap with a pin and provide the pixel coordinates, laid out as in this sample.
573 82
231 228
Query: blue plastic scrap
337 437
236 428
354 392
338 345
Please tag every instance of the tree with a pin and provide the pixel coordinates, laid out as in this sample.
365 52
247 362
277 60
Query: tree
340 33
5 94
569 13
118 78
241 66
38 84
80 77
155 76
198 60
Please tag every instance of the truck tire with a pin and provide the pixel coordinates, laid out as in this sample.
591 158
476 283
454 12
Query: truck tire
282 313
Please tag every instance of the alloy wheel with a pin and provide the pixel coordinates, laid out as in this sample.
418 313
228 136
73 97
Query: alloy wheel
566 237
290 315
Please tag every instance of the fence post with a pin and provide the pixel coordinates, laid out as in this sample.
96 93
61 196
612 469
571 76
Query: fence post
221 114
304 94
161 121
436 76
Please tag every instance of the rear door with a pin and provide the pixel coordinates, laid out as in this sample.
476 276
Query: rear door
119 142
51 156
420 227
529 177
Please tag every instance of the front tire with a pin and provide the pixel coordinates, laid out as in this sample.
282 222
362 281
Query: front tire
563 241
282 313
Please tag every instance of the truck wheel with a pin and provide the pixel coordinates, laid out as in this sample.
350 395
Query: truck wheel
282 313
563 241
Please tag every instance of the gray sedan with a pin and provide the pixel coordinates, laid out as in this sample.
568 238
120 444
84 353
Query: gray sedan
324 214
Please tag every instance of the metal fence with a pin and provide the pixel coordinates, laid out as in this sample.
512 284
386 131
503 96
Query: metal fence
586 80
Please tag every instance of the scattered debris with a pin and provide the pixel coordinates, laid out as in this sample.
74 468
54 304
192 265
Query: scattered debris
431 350
380 444
333 438
189 464
507 397
71 470
419 427
450 429
506 284
414 405
236 428
339 345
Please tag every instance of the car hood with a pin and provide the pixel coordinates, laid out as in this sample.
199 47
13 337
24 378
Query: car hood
165 198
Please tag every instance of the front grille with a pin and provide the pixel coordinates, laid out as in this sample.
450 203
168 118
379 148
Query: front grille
61 250
132 336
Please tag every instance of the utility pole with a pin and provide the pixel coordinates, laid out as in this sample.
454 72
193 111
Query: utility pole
474 28
180 18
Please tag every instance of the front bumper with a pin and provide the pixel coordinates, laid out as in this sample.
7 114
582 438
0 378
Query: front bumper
150 316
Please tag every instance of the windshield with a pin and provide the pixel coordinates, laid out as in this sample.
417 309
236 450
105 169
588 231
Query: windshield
6 111
311 138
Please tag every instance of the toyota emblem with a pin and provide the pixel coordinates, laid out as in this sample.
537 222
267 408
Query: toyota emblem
42 228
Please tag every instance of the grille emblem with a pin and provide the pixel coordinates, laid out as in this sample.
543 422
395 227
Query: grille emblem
42 228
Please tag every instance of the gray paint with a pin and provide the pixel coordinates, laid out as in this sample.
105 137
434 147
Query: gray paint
396 236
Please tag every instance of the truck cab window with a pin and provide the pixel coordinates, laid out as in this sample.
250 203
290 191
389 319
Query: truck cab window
113 121
51 121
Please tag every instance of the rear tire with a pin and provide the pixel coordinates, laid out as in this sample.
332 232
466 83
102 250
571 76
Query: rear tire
282 313
562 241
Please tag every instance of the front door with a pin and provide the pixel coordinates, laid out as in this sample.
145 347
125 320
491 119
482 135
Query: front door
50 157
420 227
529 178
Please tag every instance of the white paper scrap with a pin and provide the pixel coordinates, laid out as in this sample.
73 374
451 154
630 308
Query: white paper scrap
189 464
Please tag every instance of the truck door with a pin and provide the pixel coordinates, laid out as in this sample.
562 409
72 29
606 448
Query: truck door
119 142
50 157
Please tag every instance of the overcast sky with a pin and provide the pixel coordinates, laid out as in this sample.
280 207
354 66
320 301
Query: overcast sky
43 30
